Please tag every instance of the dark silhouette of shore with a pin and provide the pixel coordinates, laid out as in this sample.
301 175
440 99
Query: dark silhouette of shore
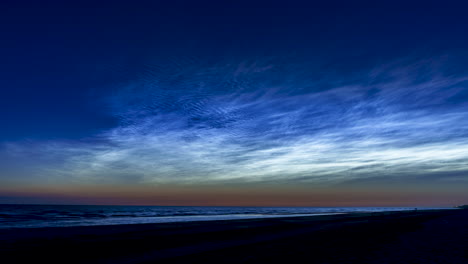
432 236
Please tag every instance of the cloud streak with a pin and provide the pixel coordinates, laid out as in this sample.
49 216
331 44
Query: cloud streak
265 123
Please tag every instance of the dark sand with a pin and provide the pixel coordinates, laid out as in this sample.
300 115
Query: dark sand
393 237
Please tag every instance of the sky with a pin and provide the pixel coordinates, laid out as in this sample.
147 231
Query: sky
259 103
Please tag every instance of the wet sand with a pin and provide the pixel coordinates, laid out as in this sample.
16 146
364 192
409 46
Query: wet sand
437 236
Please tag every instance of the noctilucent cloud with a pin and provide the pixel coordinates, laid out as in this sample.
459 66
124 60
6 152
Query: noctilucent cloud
156 95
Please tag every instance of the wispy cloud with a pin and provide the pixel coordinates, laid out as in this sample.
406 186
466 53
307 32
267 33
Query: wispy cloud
261 122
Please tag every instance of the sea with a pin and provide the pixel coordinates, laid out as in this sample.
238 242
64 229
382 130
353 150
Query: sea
38 216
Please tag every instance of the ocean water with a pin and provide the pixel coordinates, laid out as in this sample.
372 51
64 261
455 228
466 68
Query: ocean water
36 216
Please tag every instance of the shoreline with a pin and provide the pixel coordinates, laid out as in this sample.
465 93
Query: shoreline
133 219
207 241
201 220
161 220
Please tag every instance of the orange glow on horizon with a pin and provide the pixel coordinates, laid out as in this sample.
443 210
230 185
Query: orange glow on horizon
230 196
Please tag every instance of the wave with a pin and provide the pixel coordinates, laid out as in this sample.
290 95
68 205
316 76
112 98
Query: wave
33 216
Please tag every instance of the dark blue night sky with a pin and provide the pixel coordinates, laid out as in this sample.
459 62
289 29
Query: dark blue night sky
341 95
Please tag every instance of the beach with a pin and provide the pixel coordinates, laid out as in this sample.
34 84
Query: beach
423 236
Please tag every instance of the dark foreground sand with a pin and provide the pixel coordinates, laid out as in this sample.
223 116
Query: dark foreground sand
397 237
